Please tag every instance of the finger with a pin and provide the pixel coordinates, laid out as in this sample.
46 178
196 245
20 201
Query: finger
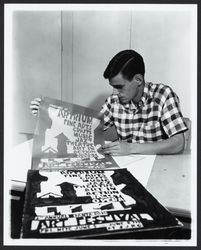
111 145
111 151
112 154
35 103
34 112
38 99
35 107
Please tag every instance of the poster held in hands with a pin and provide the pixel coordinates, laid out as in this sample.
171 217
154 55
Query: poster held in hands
68 136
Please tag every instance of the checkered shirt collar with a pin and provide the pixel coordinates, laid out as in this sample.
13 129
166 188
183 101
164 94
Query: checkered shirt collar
133 106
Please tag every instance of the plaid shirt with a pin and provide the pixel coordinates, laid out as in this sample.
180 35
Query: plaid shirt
157 117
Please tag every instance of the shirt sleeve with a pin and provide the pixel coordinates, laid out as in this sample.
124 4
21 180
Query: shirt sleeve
106 110
172 119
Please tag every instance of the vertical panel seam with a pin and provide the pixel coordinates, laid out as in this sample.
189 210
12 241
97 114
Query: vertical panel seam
72 57
61 56
131 21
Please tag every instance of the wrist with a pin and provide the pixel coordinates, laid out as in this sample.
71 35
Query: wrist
132 148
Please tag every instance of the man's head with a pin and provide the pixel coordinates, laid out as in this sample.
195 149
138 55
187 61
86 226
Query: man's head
125 73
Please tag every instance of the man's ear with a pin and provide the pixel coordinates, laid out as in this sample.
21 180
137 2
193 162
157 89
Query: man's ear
139 79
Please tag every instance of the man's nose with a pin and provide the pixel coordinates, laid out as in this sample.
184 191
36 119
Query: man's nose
116 91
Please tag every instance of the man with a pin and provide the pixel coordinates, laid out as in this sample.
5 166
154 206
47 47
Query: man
147 116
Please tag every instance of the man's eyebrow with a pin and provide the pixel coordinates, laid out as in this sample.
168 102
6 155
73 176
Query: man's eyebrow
113 84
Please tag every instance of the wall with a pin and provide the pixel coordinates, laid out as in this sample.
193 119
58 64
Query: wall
165 40
97 37
63 55
36 63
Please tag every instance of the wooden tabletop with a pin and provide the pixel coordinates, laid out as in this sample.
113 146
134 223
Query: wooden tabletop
170 181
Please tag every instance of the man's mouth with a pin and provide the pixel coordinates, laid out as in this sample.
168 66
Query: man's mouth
122 100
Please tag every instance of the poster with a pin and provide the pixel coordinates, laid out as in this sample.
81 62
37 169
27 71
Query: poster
68 136
83 203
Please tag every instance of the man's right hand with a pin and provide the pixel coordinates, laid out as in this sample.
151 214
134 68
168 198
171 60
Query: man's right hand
34 106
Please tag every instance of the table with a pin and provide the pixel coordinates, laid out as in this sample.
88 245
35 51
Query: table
169 181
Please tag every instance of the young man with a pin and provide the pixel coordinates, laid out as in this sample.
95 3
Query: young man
147 116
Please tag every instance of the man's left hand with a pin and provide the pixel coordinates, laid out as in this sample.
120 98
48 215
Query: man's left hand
117 148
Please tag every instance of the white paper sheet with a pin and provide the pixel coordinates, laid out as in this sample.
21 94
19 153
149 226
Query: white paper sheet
21 162
140 166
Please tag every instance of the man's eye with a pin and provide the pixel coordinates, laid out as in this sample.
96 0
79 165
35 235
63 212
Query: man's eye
118 86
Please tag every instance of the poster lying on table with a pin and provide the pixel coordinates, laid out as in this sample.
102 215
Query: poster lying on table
80 203
68 136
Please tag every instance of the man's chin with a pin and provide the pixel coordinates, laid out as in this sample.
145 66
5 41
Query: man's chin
123 101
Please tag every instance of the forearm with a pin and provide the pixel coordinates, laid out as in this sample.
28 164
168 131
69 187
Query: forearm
173 145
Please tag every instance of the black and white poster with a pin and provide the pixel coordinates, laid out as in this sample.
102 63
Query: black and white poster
68 136
80 203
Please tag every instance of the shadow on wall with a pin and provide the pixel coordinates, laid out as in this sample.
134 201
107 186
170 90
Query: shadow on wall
96 104
98 101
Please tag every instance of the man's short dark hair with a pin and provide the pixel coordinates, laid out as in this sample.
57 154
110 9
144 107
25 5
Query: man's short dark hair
126 62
